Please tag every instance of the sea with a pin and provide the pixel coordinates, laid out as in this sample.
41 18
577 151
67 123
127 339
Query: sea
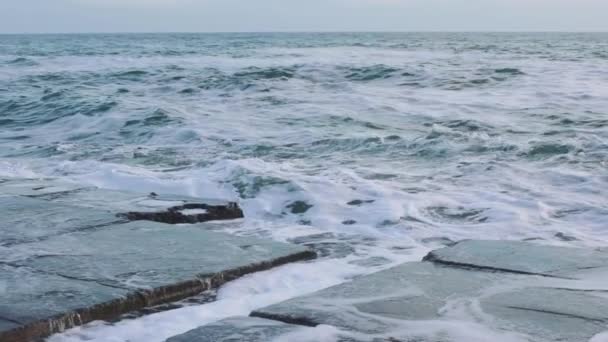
372 148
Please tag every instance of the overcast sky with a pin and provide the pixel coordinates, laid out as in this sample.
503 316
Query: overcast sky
49 16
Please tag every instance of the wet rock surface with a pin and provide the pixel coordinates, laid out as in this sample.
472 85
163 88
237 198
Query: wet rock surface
117 201
412 291
64 263
329 245
528 291
138 255
27 219
298 207
37 187
519 257
242 329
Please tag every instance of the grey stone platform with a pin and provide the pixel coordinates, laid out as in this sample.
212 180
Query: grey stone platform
130 206
545 293
238 329
66 262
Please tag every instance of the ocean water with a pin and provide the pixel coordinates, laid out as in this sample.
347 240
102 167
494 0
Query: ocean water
374 148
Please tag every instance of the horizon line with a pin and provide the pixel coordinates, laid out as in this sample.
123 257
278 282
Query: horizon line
301 32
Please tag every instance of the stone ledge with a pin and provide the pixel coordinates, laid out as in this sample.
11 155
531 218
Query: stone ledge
542 293
164 208
14 332
246 329
519 258
67 259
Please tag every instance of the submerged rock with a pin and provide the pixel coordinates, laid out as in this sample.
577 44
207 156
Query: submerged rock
299 207
358 202
565 237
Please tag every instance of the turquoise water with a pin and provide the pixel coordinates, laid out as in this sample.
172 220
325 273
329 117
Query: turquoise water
381 146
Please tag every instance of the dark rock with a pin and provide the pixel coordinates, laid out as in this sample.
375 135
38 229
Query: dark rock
299 207
289 319
457 215
180 214
326 245
359 202
565 237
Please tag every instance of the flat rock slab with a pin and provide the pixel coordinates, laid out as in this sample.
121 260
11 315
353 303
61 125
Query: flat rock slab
553 314
34 301
146 255
238 329
36 187
27 219
375 304
509 293
123 201
71 279
520 257
132 206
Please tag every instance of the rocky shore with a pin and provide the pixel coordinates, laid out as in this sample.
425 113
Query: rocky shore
71 255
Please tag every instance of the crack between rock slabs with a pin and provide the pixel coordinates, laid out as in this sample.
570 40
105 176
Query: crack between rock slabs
35 270
598 320
432 258
54 195
75 230
11 320
303 321
579 290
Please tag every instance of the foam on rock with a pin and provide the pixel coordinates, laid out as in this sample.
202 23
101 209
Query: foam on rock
510 291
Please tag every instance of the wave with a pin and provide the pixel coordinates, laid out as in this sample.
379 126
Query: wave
255 73
22 61
370 73
546 150
510 71
132 75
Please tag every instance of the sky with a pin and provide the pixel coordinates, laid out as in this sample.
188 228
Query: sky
69 16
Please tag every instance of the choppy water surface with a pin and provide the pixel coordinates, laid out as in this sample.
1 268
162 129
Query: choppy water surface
372 148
